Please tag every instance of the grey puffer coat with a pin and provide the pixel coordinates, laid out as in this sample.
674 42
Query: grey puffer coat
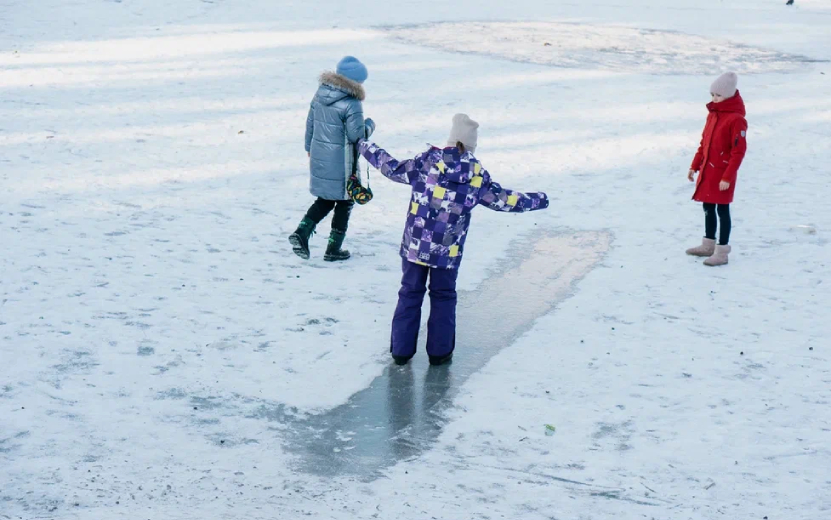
334 125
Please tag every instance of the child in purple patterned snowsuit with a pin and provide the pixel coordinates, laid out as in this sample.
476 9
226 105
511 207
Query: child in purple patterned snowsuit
446 185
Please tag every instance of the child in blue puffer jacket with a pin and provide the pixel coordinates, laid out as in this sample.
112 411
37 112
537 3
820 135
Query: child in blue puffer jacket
446 185
333 126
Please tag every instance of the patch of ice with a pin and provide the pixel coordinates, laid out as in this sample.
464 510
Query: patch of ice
621 49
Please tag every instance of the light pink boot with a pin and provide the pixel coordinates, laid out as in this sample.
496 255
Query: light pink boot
719 257
707 248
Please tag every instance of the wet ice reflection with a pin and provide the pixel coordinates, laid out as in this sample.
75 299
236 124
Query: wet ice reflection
400 414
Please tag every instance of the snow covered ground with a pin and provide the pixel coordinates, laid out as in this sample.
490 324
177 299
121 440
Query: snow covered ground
152 165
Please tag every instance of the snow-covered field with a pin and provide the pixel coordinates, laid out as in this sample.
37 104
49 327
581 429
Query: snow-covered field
151 167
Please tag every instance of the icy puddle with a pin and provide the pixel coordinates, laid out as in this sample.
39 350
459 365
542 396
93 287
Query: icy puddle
584 46
400 414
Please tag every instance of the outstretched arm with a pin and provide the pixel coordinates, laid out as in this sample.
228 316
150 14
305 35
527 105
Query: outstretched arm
406 172
497 198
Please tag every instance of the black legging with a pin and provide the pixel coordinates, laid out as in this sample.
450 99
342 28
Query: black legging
322 207
710 222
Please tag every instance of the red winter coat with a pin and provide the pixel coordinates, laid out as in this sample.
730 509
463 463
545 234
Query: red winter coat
721 152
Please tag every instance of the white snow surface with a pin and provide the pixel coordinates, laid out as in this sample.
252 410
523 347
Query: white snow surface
579 45
152 166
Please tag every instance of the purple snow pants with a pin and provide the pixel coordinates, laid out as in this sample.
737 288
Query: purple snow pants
441 327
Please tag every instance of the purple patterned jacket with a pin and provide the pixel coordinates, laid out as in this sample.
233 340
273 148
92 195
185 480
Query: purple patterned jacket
447 185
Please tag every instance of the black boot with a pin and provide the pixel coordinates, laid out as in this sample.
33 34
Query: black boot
401 360
441 360
300 238
334 253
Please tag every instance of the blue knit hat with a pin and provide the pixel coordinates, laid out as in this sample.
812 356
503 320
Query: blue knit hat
353 69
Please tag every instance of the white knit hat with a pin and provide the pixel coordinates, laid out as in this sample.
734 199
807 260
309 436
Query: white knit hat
464 130
725 85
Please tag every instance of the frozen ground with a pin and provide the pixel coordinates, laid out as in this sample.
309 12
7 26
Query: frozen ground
152 164
622 49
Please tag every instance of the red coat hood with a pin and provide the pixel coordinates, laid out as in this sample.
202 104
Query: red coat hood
733 105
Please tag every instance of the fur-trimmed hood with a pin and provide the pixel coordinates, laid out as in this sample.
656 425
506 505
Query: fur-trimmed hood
344 84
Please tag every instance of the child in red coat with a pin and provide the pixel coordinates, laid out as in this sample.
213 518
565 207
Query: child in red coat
722 149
